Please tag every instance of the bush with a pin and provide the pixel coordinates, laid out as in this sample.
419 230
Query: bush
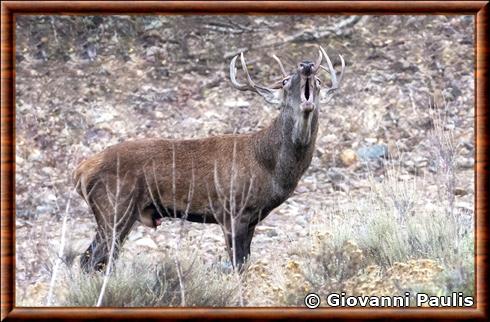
388 243
140 282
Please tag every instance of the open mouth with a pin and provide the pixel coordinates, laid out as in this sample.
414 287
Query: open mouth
307 89
307 104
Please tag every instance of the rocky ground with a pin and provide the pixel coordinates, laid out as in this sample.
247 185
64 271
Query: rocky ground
84 83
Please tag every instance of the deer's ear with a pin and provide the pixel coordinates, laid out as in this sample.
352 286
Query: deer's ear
270 96
279 84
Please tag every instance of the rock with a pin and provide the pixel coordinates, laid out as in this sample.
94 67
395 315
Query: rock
301 189
453 92
135 234
102 117
464 205
373 152
300 220
48 171
465 163
226 267
458 191
50 197
19 161
409 164
272 233
300 230
335 175
405 177
404 66
35 155
236 103
340 186
146 242
348 157
263 228
420 161
320 151
330 138
154 24
45 209
269 231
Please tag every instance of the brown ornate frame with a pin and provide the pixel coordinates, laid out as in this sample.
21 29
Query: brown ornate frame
11 8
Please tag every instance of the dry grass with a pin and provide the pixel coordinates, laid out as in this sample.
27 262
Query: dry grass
391 242
138 83
387 242
141 282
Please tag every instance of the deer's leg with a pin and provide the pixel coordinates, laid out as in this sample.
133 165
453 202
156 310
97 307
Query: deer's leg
238 242
250 235
114 222
96 257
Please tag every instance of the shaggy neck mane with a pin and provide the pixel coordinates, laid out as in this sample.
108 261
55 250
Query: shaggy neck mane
283 158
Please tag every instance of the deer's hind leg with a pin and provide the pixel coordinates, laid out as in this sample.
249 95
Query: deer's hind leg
115 218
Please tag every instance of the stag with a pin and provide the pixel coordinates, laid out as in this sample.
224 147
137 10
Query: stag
231 180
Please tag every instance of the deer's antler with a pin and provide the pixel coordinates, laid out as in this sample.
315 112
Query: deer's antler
265 92
284 74
333 74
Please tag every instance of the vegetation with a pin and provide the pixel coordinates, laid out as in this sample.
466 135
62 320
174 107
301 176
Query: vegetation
142 282
387 205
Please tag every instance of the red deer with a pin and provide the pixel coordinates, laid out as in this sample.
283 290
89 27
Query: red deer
232 180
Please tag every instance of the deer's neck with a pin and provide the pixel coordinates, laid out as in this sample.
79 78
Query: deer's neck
286 148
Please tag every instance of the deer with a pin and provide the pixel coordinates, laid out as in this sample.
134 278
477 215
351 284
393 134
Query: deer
233 180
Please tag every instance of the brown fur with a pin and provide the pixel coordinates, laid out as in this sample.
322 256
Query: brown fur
195 179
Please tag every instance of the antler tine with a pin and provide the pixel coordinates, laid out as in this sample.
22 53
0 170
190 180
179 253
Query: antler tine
244 67
251 85
233 70
331 70
342 69
265 92
318 61
280 65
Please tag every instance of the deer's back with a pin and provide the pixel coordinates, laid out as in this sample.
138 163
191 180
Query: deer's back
196 171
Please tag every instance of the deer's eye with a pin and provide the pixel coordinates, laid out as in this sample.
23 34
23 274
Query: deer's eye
285 81
318 82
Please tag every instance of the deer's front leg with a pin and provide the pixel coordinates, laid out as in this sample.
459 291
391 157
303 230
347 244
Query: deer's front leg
238 240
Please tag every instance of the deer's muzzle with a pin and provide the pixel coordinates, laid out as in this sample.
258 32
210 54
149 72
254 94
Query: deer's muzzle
306 68
307 93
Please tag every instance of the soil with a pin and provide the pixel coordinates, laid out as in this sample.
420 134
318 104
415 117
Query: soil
85 83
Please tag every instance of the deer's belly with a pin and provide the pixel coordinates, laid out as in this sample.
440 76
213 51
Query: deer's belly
153 217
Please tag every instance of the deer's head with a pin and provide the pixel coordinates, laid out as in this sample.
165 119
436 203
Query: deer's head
301 91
